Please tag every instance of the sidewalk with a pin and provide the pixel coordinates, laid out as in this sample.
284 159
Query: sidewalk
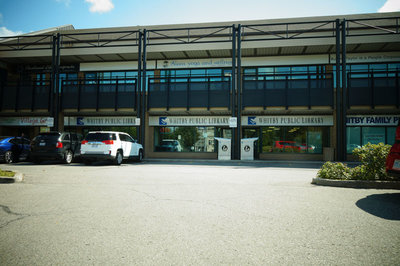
255 163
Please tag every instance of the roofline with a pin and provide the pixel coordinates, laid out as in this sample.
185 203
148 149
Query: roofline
69 28
244 22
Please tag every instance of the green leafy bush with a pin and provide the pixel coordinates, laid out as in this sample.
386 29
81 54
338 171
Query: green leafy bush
334 171
6 173
373 159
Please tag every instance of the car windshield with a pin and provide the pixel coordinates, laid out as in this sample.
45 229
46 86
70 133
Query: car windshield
48 136
100 136
167 142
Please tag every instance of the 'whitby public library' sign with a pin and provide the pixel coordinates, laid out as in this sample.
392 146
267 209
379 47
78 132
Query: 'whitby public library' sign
102 121
320 120
189 121
246 121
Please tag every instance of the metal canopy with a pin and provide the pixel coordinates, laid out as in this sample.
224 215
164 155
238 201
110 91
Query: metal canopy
307 36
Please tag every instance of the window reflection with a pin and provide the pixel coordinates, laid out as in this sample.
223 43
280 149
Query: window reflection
184 139
294 139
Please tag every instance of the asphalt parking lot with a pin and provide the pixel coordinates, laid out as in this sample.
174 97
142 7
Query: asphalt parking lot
193 213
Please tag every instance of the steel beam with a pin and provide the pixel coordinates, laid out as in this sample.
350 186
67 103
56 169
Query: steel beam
338 97
55 78
144 89
239 89
344 91
139 88
233 89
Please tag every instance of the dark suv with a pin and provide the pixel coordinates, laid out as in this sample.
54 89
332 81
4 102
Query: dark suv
63 146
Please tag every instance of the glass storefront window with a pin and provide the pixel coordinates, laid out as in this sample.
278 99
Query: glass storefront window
131 74
394 67
299 69
183 73
353 138
198 72
358 136
317 138
373 135
223 133
294 139
391 133
184 139
266 70
214 72
251 133
118 75
250 71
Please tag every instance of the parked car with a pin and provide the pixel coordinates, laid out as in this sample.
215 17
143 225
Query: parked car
169 145
14 149
393 159
110 146
63 146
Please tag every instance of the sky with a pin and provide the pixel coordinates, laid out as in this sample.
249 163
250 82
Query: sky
24 16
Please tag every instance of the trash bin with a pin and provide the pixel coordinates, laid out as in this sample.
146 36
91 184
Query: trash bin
224 148
247 149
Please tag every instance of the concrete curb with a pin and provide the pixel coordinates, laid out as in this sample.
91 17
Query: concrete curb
357 183
17 178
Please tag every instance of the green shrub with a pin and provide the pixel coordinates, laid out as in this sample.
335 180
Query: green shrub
334 171
373 159
6 173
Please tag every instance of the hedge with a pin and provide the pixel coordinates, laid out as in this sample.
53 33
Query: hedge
372 158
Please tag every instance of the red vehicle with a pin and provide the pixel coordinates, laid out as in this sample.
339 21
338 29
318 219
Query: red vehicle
393 159
287 144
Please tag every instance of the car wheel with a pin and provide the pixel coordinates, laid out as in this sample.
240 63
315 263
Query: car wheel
118 158
8 157
140 157
68 156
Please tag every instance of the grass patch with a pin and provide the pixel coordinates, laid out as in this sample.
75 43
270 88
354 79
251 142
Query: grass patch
7 173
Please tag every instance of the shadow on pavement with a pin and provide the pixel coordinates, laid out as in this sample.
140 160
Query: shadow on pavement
386 206
5 180
237 163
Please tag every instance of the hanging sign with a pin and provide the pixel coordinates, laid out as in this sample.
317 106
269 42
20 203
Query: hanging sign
233 122
317 120
189 120
27 121
102 121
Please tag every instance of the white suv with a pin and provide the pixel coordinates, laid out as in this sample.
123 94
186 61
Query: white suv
110 145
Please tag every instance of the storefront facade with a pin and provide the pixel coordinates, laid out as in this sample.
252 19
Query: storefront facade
363 129
28 127
187 136
302 92
289 136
